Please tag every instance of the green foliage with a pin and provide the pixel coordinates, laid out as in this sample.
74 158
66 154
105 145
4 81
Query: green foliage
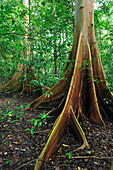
11 35
50 35
103 28
13 116
48 93
9 114
52 40
39 122
7 161
69 155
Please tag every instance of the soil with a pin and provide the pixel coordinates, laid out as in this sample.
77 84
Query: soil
19 147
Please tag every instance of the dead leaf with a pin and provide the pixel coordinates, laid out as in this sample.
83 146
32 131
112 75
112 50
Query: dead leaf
16 143
5 153
17 149
23 150
0 153
42 144
63 156
59 151
57 168
27 147
96 163
79 168
65 145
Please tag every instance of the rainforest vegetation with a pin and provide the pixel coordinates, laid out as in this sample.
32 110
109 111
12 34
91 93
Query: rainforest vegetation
56 84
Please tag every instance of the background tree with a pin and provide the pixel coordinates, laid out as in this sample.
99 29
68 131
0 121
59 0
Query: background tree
42 35
24 73
11 29
41 38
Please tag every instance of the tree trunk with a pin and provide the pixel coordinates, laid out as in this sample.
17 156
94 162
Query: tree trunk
55 40
83 88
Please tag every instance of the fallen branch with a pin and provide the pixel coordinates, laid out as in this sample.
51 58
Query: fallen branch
76 157
43 131
91 157
25 164
23 135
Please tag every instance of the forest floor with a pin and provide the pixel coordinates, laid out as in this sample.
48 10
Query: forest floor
19 147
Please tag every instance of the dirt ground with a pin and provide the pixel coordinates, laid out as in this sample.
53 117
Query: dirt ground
20 147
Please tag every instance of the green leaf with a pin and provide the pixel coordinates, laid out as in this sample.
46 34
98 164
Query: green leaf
27 129
32 129
21 106
39 124
14 121
5 143
32 120
7 161
36 121
11 113
35 82
69 155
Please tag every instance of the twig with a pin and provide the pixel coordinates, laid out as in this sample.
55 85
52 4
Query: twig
43 131
25 164
28 138
76 157
91 157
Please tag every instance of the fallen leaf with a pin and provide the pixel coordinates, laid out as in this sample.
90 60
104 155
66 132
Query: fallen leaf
89 152
27 147
42 144
23 150
59 151
17 149
63 156
105 147
79 168
57 168
16 143
65 145
96 163
10 135
5 153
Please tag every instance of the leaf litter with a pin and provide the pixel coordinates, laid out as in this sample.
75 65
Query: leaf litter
18 146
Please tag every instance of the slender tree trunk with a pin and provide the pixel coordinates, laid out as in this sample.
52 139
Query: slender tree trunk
55 60
55 40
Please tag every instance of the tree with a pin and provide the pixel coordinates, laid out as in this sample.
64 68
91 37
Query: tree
82 91
52 35
24 73
11 36
42 35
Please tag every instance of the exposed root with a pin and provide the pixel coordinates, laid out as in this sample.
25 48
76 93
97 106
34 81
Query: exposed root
76 128
18 84
14 83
